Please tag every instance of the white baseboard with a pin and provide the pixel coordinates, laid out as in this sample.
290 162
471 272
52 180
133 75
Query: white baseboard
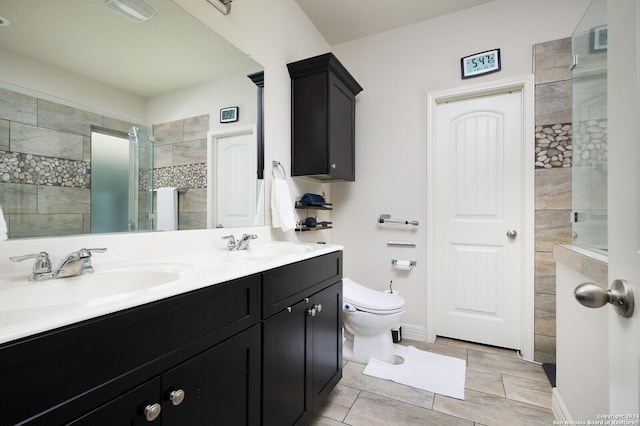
414 332
560 410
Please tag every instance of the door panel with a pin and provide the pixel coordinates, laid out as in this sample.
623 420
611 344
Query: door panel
285 357
479 197
221 385
327 343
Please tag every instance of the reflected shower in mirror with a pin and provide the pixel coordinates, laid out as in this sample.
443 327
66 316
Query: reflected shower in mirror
128 75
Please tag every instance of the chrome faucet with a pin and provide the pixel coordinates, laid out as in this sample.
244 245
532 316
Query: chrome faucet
73 264
77 263
241 244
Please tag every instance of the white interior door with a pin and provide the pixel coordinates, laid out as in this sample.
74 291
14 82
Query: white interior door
232 179
623 87
478 218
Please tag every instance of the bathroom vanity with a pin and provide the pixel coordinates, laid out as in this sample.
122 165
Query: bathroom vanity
261 348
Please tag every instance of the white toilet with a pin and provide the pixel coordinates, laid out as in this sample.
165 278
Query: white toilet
368 317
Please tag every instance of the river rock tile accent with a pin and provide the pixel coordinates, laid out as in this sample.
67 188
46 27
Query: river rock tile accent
185 176
554 147
32 169
591 143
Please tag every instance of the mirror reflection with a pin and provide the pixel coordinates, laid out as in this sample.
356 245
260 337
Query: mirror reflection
72 72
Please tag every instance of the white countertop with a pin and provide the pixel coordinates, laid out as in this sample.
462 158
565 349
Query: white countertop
28 308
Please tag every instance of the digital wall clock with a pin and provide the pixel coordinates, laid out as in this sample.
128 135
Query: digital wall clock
480 63
229 114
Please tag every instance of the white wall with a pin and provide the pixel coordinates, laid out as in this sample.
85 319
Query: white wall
235 90
55 84
397 70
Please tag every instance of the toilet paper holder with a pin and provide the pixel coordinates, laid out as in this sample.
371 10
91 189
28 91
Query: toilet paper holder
412 263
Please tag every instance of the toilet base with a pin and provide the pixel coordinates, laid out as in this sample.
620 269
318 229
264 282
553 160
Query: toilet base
361 348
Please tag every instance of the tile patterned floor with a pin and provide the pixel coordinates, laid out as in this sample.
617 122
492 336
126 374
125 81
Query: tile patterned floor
500 389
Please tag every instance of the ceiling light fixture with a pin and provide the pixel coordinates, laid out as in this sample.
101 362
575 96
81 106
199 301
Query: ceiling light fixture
133 10
224 6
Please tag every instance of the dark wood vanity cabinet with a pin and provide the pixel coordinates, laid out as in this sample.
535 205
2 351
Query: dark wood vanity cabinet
323 108
229 354
302 342
219 386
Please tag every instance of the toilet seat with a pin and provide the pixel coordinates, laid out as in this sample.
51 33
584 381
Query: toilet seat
361 298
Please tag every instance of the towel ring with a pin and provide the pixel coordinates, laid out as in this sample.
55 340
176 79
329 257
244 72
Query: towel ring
276 164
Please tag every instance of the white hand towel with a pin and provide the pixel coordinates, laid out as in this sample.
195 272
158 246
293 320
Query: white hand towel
3 226
282 214
167 209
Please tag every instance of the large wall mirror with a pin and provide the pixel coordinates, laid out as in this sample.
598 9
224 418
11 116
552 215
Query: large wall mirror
79 78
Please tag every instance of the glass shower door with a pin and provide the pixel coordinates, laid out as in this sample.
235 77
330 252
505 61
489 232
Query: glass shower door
121 180
141 179
589 87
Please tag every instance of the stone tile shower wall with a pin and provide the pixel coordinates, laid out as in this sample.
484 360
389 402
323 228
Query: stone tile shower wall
180 160
554 158
45 167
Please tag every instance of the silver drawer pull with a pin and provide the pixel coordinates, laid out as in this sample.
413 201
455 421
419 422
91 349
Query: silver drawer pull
177 396
152 411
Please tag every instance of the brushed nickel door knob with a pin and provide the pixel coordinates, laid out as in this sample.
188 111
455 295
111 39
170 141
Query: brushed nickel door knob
594 295
176 397
152 411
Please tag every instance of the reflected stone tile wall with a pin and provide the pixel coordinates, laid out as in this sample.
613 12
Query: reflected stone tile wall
180 160
45 168
554 157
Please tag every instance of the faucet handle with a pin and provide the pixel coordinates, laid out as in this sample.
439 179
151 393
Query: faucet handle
85 252
41 266
231 241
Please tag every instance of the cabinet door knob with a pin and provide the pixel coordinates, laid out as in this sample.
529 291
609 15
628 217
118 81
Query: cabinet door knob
314 309
152 411
333 165
177 396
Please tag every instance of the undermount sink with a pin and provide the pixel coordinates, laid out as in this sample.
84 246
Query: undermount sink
103 286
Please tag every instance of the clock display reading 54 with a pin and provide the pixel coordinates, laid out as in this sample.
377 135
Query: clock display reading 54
480 63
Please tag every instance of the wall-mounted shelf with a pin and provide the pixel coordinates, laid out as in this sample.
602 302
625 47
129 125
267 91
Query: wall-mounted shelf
301 227
300 207
318 228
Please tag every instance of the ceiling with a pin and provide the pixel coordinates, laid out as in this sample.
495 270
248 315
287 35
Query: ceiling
172 51
340 21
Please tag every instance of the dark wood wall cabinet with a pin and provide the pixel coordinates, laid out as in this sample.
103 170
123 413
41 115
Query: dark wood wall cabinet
323 112
263 349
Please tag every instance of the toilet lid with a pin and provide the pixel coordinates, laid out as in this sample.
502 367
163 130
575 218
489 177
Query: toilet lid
368 300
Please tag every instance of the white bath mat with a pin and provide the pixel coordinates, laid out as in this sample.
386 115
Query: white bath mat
435 373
